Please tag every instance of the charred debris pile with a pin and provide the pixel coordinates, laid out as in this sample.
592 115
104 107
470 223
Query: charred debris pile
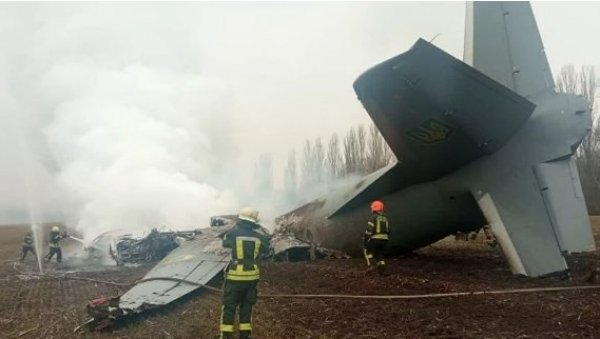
185 261
286 246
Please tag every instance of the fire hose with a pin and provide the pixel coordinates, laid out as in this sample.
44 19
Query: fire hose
395 297
342 296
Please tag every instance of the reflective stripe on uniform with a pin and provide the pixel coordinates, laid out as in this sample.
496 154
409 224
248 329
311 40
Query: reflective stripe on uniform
240 275
226 328
378 222
256 248
380 236
242 278
239 244
245 327
239 249
239 270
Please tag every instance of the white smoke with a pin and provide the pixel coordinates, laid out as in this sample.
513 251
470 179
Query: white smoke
137 132
134 147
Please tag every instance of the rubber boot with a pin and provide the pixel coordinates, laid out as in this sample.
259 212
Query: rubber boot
381 269
245 334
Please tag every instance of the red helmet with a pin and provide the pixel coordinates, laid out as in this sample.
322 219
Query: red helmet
376 206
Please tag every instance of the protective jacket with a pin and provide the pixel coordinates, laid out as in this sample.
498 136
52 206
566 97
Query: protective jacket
54 240
28 240
247 241
377 228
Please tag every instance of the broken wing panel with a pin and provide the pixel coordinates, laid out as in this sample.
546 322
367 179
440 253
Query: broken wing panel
192 262
518 218
437 113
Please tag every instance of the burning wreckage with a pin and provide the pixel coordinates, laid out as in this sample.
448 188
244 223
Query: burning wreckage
151 248
188 261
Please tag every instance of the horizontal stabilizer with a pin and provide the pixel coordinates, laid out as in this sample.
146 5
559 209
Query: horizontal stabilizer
437 113
516 212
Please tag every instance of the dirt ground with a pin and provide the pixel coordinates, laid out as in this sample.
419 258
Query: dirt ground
51 308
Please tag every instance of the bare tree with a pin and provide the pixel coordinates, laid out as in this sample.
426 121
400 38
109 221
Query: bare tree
307 178
361 139
588 154
263 175
388 155
290 178
333 159
377 151
351 156
567 81
318 160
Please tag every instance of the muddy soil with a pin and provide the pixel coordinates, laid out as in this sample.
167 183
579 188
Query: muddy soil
33 307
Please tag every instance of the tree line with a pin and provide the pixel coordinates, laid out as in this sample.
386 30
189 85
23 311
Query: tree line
584 82
321 166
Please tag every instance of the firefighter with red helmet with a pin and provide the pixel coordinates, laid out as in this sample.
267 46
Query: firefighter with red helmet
376 237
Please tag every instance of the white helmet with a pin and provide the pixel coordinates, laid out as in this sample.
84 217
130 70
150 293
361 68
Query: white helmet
248 214
55 229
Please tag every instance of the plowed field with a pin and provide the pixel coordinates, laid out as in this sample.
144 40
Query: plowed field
33 307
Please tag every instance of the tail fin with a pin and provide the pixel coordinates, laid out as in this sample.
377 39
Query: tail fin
502 41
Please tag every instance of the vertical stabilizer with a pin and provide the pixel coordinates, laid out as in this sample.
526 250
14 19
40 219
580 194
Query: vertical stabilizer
502 41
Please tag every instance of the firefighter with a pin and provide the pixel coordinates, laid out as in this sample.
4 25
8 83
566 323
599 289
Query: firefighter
27 246
54 244
376 237
247 241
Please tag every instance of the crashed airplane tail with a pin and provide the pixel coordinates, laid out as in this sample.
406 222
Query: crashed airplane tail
489 144
502 41
436 114
538 211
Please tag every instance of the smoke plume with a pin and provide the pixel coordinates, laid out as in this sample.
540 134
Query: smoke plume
135 130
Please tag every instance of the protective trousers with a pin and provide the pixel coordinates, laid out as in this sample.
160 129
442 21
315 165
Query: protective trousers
374 250
26 249
242 294
57 251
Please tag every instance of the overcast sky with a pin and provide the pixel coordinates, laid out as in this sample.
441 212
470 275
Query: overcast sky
93 94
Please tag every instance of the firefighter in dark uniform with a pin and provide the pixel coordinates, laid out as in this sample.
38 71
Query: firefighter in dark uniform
247 241
54 244
376 237
27 246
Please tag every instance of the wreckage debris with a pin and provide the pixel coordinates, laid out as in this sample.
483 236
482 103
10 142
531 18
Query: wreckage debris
152 248
188 264
286 247
222 220
186 268
104 311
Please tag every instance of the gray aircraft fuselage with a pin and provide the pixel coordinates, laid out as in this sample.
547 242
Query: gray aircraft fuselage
424 213
484 143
